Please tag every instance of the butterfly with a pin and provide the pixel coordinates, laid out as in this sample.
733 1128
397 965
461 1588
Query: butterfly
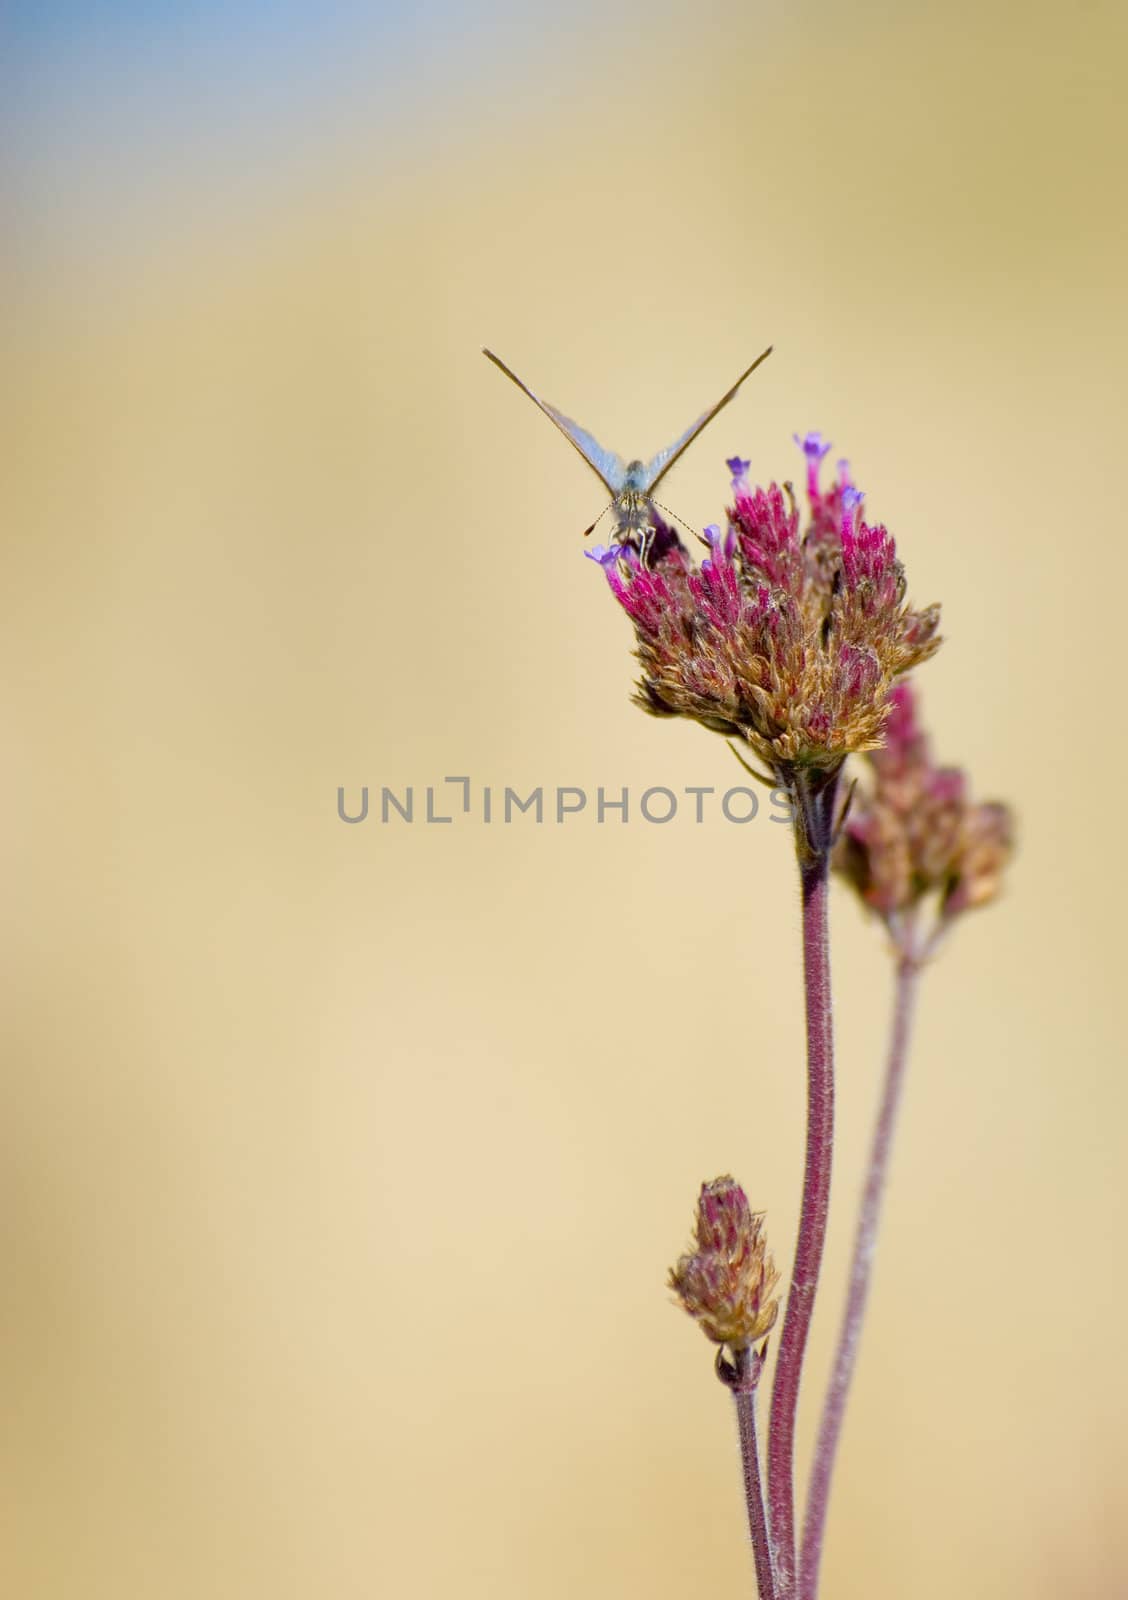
629 483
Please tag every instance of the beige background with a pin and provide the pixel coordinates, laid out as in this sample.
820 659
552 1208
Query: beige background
341 1166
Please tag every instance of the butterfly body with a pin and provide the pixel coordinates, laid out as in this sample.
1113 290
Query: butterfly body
634 509
630 484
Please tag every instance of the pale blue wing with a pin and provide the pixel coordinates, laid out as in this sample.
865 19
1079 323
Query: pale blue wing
664 460
609 469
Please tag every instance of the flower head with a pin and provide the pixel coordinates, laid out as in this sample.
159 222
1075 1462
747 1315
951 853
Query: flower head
726 1282
916 833
789 637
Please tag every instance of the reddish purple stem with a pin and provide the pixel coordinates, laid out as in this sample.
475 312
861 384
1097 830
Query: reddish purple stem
834 1407
745 1397
814 865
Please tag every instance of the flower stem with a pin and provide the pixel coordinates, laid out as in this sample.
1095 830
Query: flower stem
865 1239
744 1394
814 839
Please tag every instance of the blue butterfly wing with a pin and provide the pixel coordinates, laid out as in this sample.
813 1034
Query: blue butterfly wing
609 468
660 464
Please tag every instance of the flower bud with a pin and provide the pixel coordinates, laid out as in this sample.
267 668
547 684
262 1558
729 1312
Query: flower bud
726 1283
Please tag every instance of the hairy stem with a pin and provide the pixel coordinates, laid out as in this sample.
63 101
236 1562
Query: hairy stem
814 839
861 1268
744 1394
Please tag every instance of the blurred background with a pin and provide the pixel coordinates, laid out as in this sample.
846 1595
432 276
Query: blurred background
340 1166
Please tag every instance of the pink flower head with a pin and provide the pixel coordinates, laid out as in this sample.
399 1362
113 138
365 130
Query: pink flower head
789 638
915 834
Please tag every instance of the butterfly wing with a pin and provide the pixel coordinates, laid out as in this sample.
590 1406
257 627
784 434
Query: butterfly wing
610 469
664 460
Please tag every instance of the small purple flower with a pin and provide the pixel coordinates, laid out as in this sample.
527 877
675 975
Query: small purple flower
739 470
851 501
814 447
722 545
611 557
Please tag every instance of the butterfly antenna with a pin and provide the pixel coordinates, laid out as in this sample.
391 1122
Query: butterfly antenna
691 531
589 531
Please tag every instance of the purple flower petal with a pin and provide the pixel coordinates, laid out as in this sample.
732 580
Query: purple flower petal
851 507
721 544
813 446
